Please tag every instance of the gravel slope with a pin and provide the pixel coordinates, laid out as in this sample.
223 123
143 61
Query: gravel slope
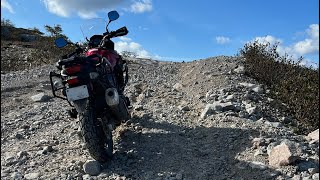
172 133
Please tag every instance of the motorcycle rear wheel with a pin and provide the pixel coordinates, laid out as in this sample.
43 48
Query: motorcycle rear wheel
99 146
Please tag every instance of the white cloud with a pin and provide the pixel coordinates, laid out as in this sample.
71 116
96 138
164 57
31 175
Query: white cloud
222 40
86 9
313 31
143 28
308 46
268 39
122 38
311 43
128 45
6 5
141 6
308 63
83 8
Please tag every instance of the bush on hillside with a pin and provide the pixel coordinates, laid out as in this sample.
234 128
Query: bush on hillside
295 85
6 22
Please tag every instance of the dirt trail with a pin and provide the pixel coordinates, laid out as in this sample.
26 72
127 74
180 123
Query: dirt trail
166 139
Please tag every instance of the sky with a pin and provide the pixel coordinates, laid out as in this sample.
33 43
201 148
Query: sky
183 30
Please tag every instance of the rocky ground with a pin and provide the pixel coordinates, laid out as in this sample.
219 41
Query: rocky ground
195 120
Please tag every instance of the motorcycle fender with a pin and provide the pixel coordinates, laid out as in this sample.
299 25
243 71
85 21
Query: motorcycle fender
80 105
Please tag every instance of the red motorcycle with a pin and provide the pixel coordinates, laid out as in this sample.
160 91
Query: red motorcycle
92 80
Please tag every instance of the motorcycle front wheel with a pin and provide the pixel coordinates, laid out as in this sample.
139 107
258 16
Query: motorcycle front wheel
99 144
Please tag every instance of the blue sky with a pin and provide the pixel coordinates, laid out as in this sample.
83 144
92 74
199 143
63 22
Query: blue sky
183 30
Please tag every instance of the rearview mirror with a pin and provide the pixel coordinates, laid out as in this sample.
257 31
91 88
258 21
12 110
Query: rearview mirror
113 15
60 42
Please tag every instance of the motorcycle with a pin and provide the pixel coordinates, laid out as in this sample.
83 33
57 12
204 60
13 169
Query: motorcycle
92 80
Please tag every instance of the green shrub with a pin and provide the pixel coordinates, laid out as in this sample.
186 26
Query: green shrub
294 85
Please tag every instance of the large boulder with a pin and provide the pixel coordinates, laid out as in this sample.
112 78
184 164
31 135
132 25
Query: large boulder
284 154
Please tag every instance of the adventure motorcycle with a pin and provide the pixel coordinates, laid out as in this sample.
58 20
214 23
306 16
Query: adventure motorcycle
92 80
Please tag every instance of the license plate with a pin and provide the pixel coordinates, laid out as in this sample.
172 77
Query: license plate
76 93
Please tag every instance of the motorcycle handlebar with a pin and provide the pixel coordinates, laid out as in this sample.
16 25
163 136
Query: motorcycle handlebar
119 32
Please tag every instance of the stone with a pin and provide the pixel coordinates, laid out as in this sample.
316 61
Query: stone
284 154
20 154
41 97
177 87
252 110
258 165
92 167
230 97
208 110
257 89
16 175
87 177
256 142
32 175
184 108
48 148
308 165
314 135
249 85
138 107
239 70
273 124
313 170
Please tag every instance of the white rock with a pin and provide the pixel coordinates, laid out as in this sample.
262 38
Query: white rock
20 154
251 110
258 153
230 97
209 109
284 154
32 175
87 177
258 165
177 86
16 175
40 97
257 89
249 85
239 70
314 135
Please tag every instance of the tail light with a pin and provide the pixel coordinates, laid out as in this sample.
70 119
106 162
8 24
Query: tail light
73 81
73 69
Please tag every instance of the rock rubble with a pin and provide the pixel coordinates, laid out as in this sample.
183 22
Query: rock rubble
196 120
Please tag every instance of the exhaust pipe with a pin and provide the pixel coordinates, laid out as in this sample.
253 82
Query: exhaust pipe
117 104
112 97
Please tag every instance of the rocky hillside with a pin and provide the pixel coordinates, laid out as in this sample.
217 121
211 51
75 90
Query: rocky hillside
196 120
26 48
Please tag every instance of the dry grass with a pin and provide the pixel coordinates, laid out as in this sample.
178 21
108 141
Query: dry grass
295 85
